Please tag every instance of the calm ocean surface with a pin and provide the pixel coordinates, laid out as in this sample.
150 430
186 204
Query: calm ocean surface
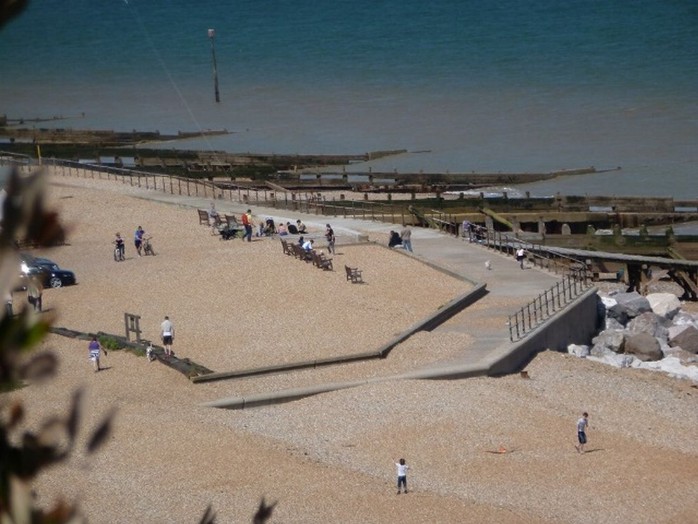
463 85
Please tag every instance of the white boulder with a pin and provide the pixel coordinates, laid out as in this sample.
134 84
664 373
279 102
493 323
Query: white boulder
665 305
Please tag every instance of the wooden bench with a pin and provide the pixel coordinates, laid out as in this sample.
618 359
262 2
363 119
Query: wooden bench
203 217
232 221
301 253
320 261
288 248
353 274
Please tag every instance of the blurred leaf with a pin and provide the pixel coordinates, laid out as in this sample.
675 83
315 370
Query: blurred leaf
33 456
74 417
20 502
10 9
24 215
51 432
16 415
209 516
39 367
263 512
61 512
9 272
100 434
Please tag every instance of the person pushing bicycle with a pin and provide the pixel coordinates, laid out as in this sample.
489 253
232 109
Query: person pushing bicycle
120 248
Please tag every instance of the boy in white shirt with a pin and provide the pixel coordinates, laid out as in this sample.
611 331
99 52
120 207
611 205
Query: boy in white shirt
401 475
167 335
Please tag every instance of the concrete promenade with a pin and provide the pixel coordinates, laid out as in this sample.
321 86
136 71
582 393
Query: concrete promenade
509 287
485 322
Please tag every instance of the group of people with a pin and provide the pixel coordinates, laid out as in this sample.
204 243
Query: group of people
139 240
267 227
299 228
403 238
474 232
308 245
214 220
95 349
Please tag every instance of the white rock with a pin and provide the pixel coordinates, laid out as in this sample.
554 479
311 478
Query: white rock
685 319
578 351
672 366
608 302
664 304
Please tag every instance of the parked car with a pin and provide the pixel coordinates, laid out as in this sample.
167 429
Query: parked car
47 270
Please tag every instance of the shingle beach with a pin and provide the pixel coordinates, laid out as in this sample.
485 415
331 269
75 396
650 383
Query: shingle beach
330 457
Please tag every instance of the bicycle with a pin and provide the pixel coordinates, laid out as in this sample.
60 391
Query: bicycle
119 252
148 246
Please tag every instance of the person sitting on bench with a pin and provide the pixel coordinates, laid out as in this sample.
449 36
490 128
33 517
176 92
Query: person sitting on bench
214 218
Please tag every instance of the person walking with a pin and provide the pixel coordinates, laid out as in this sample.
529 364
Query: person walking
94 348
119 248
34 289
467 231
406 237
520 256
329 235
402 468
167 335
138 239
582 426
247 224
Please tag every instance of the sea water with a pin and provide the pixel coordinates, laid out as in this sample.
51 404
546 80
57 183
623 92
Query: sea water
460 85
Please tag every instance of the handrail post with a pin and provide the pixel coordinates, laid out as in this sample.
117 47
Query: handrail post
528 310
535 312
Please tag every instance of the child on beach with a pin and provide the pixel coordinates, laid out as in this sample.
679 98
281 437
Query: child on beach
120 248
582 426
94 348
520 257
402 468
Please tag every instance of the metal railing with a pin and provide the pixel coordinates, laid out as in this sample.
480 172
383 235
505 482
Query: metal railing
535 254
575 280
547 304
395 212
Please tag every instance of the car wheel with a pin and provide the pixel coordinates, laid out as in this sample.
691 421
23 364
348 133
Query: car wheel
56 282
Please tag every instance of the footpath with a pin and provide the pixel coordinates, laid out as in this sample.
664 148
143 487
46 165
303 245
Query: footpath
508 288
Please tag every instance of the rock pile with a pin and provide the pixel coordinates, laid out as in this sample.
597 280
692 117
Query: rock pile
647 332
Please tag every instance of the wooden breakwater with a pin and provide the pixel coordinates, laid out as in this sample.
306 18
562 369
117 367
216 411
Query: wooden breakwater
368 180
104 138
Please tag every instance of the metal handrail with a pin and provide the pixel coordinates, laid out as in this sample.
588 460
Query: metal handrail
507 244
552 300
